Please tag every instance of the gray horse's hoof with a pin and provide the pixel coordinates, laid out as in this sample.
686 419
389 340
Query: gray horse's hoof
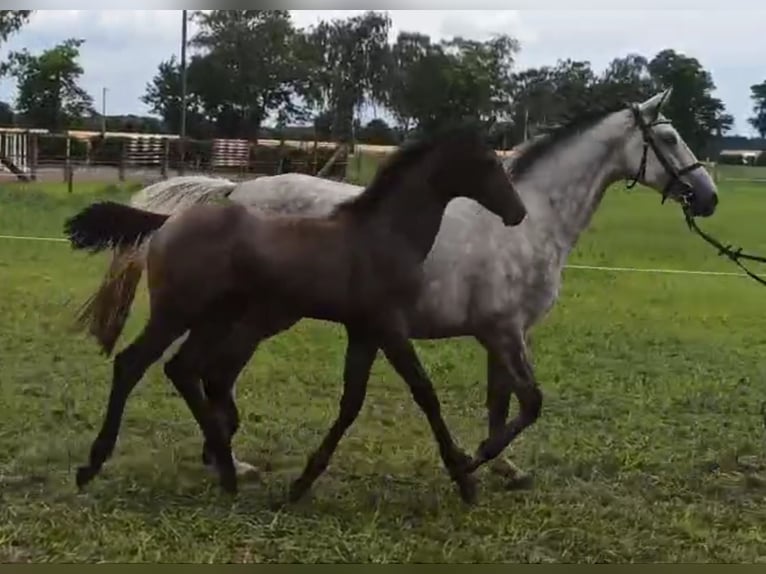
243 469
515 478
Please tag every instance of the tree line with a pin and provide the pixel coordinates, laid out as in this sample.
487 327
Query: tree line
250 68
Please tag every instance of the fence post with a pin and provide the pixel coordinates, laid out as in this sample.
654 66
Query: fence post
182 155
315 158
67 159
121 165
165 158
33 156
70 178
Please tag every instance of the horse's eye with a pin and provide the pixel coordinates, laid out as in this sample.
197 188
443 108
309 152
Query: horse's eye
669 138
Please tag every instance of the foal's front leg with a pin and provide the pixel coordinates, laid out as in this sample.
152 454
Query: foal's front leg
361 350
400 352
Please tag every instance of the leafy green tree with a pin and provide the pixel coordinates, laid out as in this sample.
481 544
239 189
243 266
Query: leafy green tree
49 95
247 58
344 60
245 70
377 132
6 114
626 79
431 84
547 95
758 120
696 113
163 96
11 22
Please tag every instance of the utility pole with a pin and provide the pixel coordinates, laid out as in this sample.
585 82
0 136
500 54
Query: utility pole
182 148
103 110
526 123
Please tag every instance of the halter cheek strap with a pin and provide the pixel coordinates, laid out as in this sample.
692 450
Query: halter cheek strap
675 175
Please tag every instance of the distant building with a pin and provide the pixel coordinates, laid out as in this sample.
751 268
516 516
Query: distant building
748 156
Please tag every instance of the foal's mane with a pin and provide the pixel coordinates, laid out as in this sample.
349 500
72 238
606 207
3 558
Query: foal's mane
539 147
406 156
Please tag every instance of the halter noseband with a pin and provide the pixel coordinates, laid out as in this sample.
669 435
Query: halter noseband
685 192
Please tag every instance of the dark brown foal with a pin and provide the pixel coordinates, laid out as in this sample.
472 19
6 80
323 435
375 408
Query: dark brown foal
212 265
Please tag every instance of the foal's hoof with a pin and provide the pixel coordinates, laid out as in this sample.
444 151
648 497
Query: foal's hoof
228 482
297 491
521 482
468 490
84 475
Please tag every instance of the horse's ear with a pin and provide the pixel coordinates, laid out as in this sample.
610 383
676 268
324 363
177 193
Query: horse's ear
651 108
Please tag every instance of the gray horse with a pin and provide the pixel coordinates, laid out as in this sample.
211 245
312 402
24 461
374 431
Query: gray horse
481 279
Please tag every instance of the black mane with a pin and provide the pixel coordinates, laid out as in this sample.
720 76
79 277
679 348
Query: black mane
572 125
409 153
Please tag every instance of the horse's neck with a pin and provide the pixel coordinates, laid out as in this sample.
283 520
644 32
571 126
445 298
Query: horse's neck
563 191
413 212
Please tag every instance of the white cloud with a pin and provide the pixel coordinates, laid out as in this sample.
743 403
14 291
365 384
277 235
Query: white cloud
124 47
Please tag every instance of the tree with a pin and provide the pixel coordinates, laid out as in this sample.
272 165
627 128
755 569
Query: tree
626 80
482 76
377 132
163 96
548 95
758 121
431 84
48 92
407 72
6 114
249 66
696 113
344 62
11 21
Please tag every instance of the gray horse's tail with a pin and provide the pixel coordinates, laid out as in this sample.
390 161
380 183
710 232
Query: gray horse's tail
179 193
105 312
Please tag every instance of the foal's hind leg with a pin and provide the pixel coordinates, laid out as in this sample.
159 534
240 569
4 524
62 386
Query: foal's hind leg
128 368
224 363
360 355
401 354
219 376
509 351
183 370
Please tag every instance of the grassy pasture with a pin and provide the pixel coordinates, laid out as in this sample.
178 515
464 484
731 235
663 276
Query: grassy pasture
650 446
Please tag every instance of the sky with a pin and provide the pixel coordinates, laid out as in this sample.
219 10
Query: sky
124 47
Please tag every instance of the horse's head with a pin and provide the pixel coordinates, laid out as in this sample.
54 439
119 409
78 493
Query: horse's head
469 167
660 159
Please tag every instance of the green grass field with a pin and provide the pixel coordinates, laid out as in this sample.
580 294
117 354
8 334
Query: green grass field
650 446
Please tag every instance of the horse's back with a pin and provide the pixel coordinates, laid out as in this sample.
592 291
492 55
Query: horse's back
294 193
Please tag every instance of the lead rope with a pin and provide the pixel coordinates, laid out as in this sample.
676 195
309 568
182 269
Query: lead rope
732 253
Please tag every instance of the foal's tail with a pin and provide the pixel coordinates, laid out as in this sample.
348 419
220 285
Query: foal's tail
124 228
104 314
111 224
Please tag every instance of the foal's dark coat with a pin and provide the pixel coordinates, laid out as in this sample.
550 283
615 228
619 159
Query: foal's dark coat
215 264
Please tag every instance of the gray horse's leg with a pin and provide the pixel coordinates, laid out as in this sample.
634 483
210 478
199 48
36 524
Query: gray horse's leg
499 391
509 361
